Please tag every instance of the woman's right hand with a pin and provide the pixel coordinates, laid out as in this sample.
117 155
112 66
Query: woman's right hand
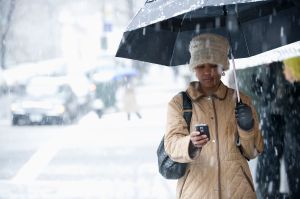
198 140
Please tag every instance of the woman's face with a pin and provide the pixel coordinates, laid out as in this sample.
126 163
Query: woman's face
209 75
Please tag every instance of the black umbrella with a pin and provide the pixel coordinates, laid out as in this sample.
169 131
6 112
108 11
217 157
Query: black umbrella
161 31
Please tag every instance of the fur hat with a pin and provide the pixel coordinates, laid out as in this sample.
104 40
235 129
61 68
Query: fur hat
209 48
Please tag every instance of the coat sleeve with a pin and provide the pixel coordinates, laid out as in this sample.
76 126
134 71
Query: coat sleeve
251 142
177 138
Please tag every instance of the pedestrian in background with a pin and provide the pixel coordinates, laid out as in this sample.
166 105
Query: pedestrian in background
280 95
277 89
291 109
265 85
130 104
217 168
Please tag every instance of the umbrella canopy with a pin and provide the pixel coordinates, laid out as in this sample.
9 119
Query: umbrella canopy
161 31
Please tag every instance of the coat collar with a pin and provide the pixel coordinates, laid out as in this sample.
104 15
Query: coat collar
195 92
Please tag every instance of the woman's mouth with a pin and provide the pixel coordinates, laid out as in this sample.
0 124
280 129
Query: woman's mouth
207 79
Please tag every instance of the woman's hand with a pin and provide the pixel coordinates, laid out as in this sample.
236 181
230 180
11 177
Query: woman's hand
198 140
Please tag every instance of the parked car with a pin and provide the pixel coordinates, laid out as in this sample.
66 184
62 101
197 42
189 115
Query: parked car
48 100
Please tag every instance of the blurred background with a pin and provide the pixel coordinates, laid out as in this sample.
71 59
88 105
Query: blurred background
76 122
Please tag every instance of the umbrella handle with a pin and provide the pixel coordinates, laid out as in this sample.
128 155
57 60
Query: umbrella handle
235 78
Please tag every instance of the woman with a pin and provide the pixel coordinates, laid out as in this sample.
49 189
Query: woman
218 167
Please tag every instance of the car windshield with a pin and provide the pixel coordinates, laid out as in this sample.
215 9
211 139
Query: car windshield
44 87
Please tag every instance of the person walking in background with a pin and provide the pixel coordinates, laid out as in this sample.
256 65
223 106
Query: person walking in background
130 104
264 86
278 90
291 108
217 167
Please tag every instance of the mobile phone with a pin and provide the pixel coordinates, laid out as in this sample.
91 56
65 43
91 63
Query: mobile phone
203 129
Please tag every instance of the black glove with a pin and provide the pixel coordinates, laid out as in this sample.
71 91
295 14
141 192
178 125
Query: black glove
244 116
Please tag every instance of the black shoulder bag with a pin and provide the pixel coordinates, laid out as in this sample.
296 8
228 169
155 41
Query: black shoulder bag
167 167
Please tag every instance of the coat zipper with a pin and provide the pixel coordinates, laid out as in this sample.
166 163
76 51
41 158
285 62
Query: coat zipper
218 150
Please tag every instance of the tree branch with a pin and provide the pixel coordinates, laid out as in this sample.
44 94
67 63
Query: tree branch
6 27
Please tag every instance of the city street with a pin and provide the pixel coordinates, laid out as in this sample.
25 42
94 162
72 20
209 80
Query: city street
106 158
88 160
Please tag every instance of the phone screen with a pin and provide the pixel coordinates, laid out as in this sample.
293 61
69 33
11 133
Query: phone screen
203 129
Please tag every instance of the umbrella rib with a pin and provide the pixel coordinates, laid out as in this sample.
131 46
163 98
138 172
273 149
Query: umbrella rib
176 39
244 36
173 51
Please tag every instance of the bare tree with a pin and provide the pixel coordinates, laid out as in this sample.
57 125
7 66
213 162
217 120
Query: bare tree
7 8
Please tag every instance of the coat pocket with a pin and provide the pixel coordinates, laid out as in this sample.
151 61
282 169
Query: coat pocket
248 178
183 182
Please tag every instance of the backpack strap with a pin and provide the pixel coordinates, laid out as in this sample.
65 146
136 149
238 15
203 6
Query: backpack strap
187 108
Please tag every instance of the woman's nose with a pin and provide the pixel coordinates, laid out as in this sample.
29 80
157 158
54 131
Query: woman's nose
207 70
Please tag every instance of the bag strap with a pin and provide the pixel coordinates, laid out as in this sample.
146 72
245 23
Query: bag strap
187 108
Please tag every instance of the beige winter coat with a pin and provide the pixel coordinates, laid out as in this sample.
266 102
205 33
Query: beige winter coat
219 170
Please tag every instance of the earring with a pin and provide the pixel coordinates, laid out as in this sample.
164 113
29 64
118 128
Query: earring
223 73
